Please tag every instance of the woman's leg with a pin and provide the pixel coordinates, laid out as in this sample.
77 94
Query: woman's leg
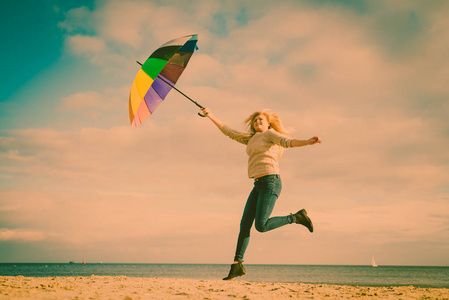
258 207
269 190
246 223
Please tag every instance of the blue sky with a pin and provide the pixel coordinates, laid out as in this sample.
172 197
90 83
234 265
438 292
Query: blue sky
35 45
34 40
368 77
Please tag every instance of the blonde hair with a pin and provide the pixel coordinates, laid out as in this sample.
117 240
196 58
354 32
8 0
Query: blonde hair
273 121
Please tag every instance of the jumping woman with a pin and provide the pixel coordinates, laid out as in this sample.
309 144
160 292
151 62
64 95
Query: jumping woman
265 142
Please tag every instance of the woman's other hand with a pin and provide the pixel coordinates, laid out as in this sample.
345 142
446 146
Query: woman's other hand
315 140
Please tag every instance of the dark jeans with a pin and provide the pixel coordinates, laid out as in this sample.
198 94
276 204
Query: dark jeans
258 209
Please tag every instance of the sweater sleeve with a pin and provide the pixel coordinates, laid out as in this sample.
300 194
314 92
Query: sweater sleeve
280 139
235 135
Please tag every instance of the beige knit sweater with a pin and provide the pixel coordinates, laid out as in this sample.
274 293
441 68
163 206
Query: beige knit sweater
264 149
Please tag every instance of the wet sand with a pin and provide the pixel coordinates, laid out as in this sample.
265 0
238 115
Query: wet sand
121 287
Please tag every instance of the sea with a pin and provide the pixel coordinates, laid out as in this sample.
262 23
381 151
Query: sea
418 276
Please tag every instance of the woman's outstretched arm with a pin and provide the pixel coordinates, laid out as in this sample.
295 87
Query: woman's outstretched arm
300 143
241 137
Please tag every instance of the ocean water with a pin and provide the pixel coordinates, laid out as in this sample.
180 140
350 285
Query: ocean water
417 276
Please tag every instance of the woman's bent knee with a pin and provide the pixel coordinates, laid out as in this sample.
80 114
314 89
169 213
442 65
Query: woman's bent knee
261 226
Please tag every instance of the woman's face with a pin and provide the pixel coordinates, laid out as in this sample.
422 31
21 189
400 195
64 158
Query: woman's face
260 123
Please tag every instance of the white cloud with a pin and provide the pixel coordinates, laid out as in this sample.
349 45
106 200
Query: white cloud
123 22
20 235
139 23
14 155
76 19
83 100
89 46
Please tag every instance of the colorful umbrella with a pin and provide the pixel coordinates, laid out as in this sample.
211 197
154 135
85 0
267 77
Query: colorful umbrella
157 77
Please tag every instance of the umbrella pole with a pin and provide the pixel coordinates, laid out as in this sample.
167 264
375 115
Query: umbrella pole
196 103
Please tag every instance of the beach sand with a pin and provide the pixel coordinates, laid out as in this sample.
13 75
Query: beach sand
121 287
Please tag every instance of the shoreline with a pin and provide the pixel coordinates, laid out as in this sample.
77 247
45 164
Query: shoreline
122 287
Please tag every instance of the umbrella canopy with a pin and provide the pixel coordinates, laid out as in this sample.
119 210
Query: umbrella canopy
158 75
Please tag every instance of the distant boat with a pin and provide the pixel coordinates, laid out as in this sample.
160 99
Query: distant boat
84 261
373 262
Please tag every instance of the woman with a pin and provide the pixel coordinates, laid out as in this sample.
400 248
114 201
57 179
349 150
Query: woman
265 143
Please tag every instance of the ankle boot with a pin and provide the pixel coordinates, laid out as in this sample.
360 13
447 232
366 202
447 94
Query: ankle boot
302 218
237 270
